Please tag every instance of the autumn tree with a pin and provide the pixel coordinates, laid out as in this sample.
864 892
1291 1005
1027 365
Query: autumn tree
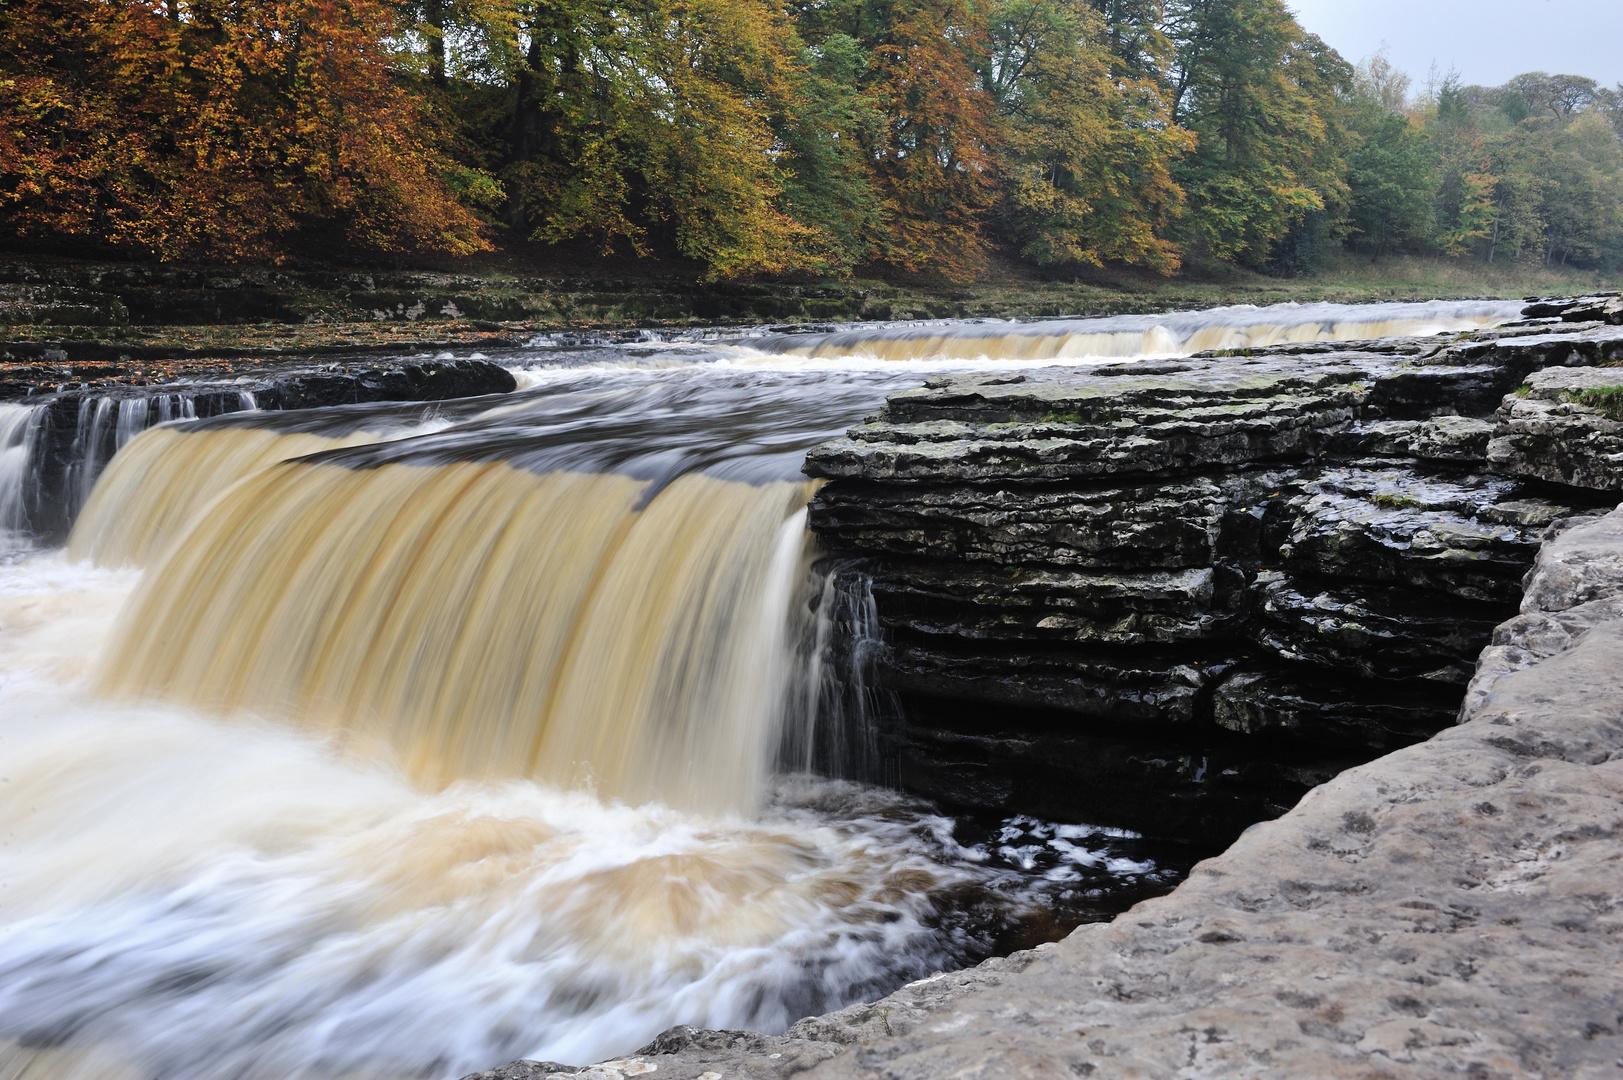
213 129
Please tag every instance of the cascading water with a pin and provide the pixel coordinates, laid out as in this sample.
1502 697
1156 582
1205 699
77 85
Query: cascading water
19 426
404 741
1135 336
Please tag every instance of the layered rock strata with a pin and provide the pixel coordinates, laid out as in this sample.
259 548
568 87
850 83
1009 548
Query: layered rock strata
1182 593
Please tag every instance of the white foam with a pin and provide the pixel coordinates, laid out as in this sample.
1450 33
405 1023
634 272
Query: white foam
205 898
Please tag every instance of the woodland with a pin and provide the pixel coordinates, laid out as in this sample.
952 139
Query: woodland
779 137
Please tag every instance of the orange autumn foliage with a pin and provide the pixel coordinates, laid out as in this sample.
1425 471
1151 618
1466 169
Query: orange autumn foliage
216 129
935 166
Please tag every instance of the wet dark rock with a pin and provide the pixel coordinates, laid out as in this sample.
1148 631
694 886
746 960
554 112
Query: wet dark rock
1518 356
1452 439
1115 685
1471 537
1163 525
1603 307
75 432
1301 548
1073 425
1328 713
1046 604
1369 630
1426 389
1203 789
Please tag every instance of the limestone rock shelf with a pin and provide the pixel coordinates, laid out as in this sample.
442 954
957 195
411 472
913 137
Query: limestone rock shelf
1259 567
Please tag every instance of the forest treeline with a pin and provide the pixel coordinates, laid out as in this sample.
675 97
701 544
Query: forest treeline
779 136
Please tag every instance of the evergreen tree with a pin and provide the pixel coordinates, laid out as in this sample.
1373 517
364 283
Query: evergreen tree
1390 175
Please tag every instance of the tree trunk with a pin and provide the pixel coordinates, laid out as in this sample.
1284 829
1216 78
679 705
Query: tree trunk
436 42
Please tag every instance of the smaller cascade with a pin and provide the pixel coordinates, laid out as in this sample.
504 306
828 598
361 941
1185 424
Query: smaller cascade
1137 336
19 432
835 708
106 425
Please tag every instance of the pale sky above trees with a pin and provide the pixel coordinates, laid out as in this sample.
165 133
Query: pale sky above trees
1486 41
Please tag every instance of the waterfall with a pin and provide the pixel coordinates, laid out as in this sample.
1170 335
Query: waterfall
19 429
834 707
478 620
401 741
157 486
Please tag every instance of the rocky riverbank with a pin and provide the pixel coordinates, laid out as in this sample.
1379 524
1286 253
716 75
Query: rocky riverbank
1451 909
1309 545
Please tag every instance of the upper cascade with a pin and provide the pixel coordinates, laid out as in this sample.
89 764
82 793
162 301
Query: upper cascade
1129 336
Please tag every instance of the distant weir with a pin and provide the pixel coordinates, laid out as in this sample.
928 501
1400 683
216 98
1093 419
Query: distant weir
1124 337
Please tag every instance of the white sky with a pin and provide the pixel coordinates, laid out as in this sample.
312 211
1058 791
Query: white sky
1487 41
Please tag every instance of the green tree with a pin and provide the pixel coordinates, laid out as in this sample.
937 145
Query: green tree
1390 175
1583 215
830 186
1088 168
1255 89
653 114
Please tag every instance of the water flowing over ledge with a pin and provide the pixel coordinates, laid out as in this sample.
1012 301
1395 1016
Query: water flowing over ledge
1129 336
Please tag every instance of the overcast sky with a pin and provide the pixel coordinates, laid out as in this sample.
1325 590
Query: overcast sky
1487 41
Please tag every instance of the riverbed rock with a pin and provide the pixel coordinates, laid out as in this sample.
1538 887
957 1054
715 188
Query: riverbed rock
1603 307
1163 525
1470 536
1355 548
76 429
1372 631
1452 909
1067 424
1353 545
1046 604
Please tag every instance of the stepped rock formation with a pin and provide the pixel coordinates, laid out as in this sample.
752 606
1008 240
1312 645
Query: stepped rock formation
1221 579
1301 550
